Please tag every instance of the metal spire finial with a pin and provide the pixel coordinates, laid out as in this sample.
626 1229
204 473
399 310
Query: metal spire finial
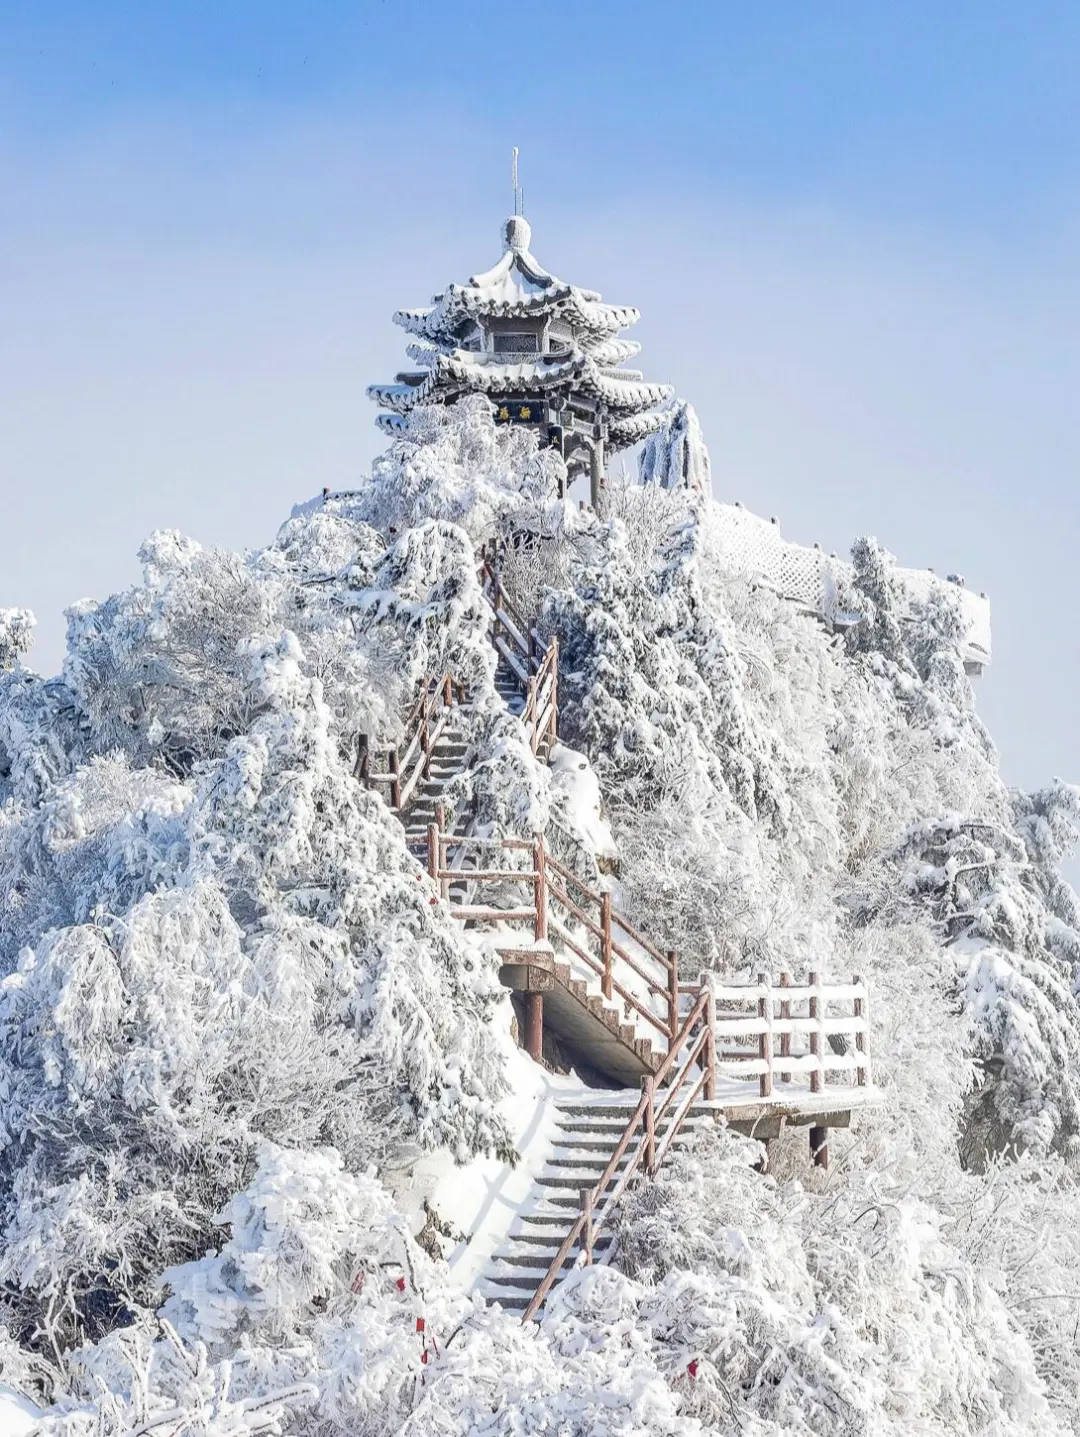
518 198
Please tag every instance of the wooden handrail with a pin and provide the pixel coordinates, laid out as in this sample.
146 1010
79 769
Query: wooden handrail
409 760
610 951
597 1204
757 1045
572 1236
624 993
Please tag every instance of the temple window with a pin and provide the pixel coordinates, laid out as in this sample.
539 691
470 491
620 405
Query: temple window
516 343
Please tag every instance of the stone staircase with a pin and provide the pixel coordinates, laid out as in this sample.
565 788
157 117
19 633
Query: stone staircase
593 1029
587 1135
449 757
508 687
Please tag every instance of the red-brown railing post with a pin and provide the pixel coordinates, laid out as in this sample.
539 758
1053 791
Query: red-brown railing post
764 1008
395 781
860 1037
433 851
815 1033
554 651
540 891
672 995
448 690
529 711
710 1046
425 733
648 1086
605 941
363 757
785 1036
587 1225
441 849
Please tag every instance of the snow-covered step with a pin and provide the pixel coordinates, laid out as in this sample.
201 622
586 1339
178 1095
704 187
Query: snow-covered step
585 1139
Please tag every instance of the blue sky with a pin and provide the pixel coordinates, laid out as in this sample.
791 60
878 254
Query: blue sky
852 230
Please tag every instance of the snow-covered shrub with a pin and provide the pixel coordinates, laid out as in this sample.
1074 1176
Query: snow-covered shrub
821 1316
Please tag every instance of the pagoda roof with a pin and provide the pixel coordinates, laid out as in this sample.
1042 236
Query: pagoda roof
623 433
464 371
518 285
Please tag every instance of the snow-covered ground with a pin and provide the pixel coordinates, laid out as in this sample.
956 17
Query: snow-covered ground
18 1415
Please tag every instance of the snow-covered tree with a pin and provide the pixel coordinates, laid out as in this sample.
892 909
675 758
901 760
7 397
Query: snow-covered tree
233 1009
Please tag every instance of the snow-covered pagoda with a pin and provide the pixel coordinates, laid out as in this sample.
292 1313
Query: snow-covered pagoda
546 353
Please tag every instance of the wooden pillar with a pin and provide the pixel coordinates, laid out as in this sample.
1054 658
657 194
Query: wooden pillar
534 1025
819 1147
596 472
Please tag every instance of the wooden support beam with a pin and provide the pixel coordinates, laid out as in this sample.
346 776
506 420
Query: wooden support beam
534 1025
819 1146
